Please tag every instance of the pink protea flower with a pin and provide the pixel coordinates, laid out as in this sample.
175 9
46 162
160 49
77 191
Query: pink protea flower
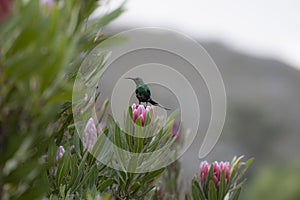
204 169
90 135
72 148
218 167
139 112
220 180
223 166
60 153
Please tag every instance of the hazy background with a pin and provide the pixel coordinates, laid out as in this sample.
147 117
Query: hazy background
256 46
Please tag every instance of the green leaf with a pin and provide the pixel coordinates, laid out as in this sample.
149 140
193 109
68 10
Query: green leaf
51 153
133 162
197 193
212 193
88 177
249 162
245 167
237 194
145 192
231 179
104 184
210 177
222 186
167 129
80 172
73 21
77 142
152 176
236 162
74 171
62 189
63 168
138 139
156 142
121 178
100 144
236 187
108 18
117 136
129 129
120 146
153 195
135 187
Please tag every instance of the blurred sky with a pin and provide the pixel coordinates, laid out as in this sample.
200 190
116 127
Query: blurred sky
261 27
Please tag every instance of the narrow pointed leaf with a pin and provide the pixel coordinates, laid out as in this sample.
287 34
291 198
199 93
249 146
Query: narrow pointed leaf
104 184
138 140
222 193
212 193
244 169
196 190
237 194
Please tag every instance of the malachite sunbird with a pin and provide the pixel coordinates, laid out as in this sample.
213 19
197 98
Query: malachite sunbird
143 93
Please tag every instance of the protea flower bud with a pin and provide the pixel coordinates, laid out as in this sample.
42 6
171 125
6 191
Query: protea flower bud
217 171
204 169
139 112
218 168
220 180
90 135
72 148
60 153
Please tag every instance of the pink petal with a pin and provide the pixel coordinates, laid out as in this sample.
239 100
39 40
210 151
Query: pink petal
142 120
133 107
135 115
140 109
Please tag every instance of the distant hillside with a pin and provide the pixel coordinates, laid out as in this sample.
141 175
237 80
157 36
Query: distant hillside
262 93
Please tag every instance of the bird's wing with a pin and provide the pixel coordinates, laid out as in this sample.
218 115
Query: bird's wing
146 88
143 92
147 92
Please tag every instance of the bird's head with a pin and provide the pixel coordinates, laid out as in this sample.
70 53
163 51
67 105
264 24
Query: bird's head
137 80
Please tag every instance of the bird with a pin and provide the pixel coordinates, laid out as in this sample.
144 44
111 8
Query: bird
143 93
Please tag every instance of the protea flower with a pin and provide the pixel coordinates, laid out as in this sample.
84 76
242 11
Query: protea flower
139 112
72 148
204 169
90 135
60 153
218 167
220 180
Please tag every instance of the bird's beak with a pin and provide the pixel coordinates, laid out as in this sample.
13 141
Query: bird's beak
129 78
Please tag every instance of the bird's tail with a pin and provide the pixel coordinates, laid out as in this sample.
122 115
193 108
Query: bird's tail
154 103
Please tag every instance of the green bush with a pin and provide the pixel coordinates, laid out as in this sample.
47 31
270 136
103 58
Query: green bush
41 46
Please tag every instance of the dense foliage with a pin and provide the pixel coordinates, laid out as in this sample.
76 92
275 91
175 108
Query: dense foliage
42 44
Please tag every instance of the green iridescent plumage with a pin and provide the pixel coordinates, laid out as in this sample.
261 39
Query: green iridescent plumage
143 93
